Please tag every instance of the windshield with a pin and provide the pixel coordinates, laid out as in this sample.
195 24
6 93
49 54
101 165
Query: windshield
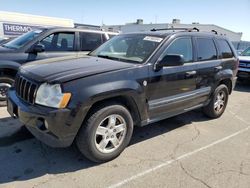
246 52
22 40
128 48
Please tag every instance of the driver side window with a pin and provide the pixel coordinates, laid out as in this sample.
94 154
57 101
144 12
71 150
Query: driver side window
181 46
59 42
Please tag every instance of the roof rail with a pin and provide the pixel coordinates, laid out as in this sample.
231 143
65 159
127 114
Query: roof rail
174 29
214 31
88 28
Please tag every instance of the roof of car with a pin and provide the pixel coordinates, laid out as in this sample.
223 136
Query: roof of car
77 29
178 33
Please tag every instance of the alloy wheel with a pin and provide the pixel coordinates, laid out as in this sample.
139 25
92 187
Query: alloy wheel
110 133
220 101
4 87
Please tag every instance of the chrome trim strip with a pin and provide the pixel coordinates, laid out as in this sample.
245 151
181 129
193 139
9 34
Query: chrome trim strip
179 98
244 69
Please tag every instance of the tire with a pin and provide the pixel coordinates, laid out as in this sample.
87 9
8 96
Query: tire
5 83
106 133
218 103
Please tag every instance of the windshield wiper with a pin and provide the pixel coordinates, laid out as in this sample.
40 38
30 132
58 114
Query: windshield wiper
118 59
108 57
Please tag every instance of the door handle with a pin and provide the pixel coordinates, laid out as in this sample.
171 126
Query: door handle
218 68
191 73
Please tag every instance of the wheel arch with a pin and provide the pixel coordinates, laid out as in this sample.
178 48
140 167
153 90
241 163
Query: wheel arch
124 100
9 68
225 77
228 83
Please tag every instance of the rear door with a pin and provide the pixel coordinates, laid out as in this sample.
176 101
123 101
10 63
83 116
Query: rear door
90 41
208 62
174 89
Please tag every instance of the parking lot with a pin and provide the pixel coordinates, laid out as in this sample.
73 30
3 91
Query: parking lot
189 150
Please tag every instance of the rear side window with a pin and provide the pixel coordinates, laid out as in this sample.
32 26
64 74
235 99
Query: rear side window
181 46
206 49
90 41
225 49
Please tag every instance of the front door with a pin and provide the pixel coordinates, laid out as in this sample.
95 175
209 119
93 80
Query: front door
172 90
56 45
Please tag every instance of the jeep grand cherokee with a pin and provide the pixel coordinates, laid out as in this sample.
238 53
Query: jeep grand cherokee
131 80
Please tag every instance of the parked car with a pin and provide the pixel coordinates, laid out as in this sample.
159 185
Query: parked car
45 43
239 52
244 66
5 40
131 80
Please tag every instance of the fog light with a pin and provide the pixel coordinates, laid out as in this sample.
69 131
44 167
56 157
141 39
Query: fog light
42 124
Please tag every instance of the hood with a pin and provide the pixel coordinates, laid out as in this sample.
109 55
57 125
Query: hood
5 50
69 68
244 58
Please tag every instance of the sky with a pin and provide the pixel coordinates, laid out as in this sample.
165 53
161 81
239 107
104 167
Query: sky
230 14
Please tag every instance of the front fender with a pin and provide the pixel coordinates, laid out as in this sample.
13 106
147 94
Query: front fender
127 88
89 95
4 64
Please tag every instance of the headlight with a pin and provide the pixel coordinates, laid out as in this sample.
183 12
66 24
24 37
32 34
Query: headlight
52 96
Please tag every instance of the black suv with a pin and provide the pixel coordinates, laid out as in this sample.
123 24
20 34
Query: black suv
132 79
45 43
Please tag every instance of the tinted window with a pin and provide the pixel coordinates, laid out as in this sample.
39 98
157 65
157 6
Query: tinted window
104 39
225 49
182 46
59 42
246 52
90 41
206 49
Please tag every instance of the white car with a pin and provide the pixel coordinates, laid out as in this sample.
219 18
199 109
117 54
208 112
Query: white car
244 66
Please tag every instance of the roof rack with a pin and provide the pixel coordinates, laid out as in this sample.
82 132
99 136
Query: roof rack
214 31
174 29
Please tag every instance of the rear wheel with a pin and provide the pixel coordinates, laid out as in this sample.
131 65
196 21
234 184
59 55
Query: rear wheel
5 83
106 133
218 103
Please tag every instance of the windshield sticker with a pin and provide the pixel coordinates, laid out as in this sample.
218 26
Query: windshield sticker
153 39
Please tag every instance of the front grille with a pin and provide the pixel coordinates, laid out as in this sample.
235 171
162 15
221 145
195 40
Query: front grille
25 89
245 64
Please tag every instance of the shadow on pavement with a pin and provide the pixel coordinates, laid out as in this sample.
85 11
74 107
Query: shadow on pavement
20 135
31 159
243 86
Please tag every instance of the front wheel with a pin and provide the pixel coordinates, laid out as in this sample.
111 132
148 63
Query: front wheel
5 83
218 103
106 133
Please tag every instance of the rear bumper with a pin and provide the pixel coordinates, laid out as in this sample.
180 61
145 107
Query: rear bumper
61 124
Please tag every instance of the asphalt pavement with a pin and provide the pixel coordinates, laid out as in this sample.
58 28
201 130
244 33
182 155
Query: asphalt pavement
188 150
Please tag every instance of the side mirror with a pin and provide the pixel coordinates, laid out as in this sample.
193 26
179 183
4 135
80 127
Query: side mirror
170 60
37 48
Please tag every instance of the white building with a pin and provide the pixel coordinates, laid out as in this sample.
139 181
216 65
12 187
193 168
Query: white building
138 26
13 24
